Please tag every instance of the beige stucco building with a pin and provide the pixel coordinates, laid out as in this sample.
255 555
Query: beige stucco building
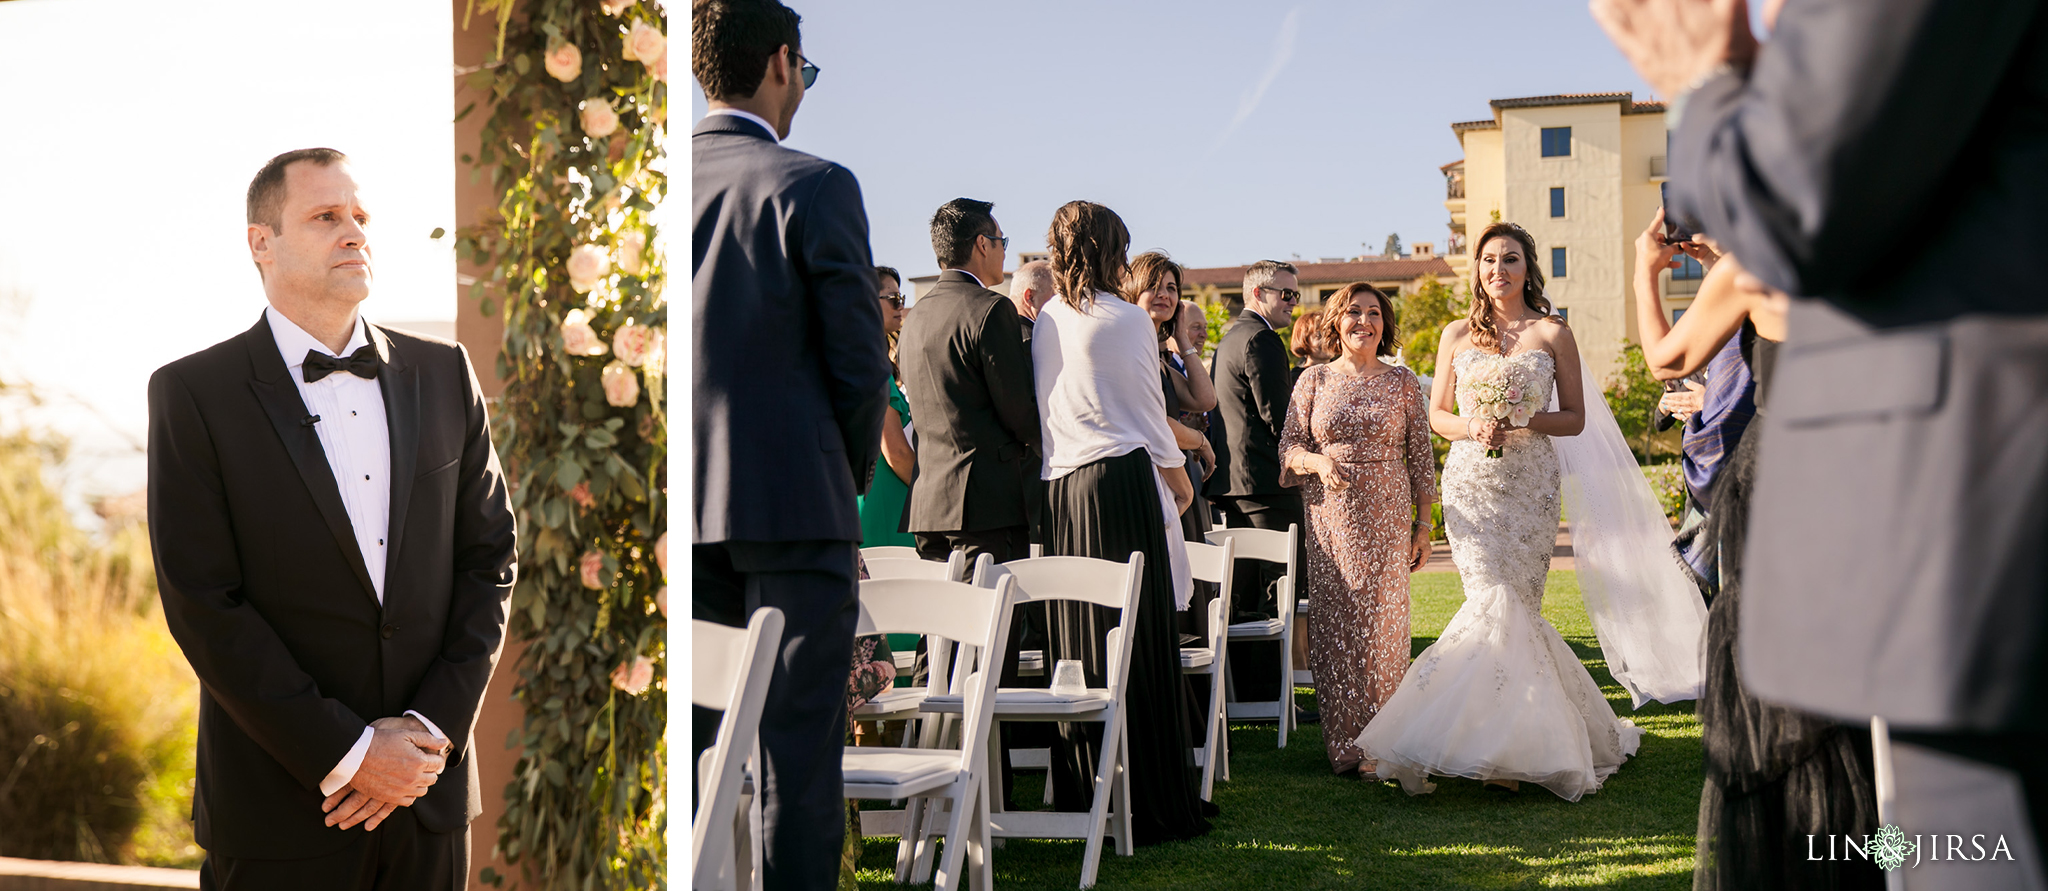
1582 173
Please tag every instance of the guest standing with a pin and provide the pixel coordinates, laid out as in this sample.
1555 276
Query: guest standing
968 373
1153 283
1115 485
1357 443
1253 384
1863 160
1030 286
790 384
881 509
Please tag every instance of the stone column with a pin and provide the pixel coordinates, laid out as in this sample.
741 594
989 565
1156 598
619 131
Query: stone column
482 335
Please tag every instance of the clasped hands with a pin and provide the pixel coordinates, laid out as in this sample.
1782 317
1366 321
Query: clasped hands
404 761
1489 432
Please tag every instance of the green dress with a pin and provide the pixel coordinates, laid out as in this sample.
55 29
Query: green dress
881 510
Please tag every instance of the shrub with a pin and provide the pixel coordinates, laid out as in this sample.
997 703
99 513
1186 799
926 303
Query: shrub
1667 482
98 707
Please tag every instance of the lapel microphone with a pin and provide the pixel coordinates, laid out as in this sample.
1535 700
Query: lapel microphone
309 420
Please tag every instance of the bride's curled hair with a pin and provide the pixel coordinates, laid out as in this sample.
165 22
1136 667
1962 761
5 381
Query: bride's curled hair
1485 334
1088 244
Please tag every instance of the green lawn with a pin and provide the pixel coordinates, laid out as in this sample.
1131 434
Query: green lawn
1287 823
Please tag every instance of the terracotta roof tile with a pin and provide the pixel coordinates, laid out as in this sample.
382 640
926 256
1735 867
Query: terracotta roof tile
1372 270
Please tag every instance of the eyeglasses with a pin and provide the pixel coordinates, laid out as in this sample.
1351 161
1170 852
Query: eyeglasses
1003 240
893 300
808 71
1287 295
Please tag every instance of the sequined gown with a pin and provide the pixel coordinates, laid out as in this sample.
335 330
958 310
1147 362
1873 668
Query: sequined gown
1377 431
1500 695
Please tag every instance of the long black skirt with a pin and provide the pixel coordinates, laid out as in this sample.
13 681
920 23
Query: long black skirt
1775 775
1108 510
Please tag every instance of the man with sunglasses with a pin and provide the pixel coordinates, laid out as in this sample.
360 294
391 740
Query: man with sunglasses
789 388
1253 384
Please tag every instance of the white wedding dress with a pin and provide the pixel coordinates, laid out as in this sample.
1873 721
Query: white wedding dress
1500 695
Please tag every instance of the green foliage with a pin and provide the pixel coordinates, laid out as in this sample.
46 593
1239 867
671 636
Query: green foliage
1633 394
588 476
1219 319
1667 482
98 708
1422 316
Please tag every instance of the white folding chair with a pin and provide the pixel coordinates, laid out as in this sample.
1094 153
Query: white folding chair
942 611
1271 546
890 552
1082 580
900 703
730 668
1212 563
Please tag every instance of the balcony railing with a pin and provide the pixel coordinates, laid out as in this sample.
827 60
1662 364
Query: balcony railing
1455 189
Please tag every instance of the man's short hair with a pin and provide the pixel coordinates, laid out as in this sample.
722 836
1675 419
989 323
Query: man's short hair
1261 274
955 226
1036 276
266 191
890 273
731 41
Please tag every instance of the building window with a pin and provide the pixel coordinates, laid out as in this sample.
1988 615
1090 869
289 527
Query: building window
1557 201
1677 314
1687 269
1557 265
1564 313
1557 142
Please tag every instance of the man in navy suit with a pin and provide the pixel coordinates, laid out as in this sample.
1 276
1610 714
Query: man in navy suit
788 391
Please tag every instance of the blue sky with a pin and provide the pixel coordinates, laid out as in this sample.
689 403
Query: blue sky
1220 132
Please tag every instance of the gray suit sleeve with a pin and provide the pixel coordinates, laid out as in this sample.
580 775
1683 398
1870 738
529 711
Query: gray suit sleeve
839 272
1835 147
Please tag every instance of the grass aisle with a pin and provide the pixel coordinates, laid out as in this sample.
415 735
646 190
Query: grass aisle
1288 823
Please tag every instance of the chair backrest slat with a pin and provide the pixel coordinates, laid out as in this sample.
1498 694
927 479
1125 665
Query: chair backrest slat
737 684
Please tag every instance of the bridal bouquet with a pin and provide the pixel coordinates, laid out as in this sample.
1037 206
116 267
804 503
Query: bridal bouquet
1500 390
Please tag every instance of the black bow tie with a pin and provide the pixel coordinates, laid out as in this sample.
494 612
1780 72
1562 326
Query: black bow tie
362 364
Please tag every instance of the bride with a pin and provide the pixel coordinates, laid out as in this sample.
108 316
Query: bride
1500 696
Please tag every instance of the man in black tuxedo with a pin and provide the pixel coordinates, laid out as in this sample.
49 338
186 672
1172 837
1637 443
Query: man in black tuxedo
334 549
1253 385
1886 158
788 391
967 374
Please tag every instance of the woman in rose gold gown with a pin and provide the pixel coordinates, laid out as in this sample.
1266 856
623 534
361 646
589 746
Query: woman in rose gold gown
1357 443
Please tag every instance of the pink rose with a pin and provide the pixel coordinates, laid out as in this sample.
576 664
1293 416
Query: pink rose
660 549
598 118
1514 394
657 353
578 337
646 44
621 385
660 68
564 62
661 601
634 677
588 265
630 343
632 251
581 495
591 570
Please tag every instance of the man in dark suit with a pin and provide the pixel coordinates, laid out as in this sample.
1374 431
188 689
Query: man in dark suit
1253 385
967 374
334 549
1881 157
788 392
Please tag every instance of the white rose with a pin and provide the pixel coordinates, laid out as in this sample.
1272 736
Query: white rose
621 385
599 120
1499 410
632 251
646 44
630 344
656 363
564 63
587 266
578 337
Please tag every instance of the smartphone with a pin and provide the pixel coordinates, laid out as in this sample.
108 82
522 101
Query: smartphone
1675 230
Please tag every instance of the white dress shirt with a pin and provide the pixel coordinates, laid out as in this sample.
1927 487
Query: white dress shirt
1099 396
749 116
355 435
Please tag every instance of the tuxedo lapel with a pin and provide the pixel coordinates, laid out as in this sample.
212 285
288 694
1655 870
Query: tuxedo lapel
400 383
279 397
